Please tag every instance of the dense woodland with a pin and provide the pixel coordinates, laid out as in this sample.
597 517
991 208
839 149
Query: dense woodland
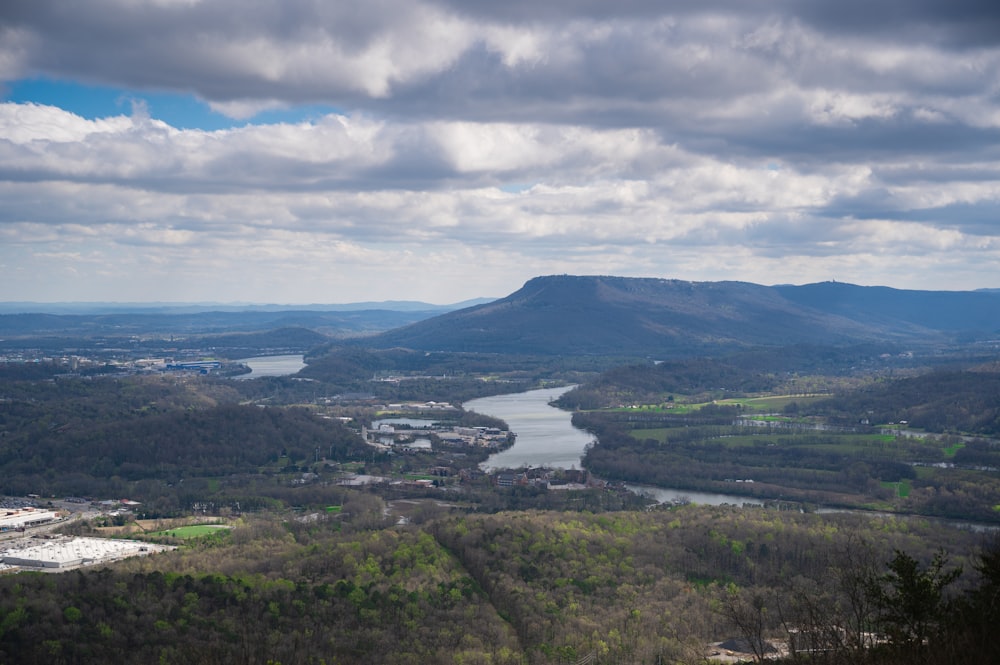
876 434
75 436
313 572
862 377
820 468
948 400
524 587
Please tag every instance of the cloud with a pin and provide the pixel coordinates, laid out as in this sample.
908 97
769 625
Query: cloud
241 109
768 141
134 187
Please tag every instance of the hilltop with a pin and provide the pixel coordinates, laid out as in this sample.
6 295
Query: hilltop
583 315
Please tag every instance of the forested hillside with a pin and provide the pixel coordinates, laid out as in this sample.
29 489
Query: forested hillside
215 441
435 562
74 436
531 587
953 400
923 441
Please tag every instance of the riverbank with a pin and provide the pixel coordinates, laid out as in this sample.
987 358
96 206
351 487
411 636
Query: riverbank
283 365
546 438
545 434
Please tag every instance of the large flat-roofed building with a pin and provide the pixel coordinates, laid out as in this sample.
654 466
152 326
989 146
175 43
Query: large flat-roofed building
66 552
202 366
13 519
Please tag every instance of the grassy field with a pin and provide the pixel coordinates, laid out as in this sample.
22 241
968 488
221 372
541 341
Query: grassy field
750 405
831 441
187 532
902 488
954 448
771 403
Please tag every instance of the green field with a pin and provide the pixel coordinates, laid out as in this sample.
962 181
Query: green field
771 403
829 441
902 488
954 448
188 532
763 404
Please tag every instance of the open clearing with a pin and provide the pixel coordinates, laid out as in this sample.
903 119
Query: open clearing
191 531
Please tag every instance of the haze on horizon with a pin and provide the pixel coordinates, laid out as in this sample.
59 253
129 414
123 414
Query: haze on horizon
436 150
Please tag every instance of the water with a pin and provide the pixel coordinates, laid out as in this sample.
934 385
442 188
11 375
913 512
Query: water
416 444
545 435
272 366
667 495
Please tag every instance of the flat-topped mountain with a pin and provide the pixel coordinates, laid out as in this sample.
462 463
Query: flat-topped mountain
574 315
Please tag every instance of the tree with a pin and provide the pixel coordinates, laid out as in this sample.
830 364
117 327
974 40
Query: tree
747 610
910 599
856 573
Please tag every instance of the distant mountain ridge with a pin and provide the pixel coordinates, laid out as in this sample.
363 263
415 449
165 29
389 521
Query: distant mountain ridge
125 319
174 308
606 315
880 305
564 315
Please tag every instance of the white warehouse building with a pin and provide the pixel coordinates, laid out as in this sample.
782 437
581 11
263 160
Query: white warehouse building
66 552
21 518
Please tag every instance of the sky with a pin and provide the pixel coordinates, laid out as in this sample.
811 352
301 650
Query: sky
320 151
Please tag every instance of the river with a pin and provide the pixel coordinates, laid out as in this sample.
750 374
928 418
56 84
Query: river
545 435
272 366
666 495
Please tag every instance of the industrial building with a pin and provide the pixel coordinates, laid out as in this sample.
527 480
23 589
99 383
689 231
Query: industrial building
201 366
13 519
60 552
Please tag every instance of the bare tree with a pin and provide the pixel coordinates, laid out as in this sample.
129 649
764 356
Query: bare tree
747 610
856 571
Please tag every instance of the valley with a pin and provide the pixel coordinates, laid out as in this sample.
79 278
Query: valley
854 468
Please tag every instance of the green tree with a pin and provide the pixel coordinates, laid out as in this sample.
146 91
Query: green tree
910 599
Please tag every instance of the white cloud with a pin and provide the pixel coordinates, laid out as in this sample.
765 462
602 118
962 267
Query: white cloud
830 107
244 109
23 124
516 45
142 194
481 143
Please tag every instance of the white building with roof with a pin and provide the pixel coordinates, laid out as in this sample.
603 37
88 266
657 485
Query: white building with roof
67 552
20 518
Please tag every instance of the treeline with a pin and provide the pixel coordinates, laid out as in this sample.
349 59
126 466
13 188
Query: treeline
655 588
73 402
942 400
657 384
847 469
900 611
807 368
381 597
77 448
527 587
454 377
216 441
169 442
964 401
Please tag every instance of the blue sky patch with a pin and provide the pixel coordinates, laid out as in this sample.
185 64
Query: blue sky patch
182 111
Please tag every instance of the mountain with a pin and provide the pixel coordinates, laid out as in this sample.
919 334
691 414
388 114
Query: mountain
967 311
335 320
575 315
175 308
